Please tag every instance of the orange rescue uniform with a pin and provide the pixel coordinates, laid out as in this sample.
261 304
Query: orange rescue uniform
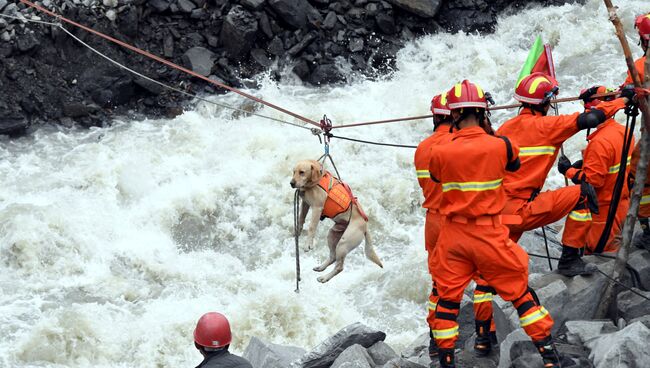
471 170
601 165
539 139
640 67
644 207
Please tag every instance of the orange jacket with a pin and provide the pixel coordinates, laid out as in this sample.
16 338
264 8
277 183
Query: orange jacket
640 67
470 170
432 191
602 159
339 197
539 139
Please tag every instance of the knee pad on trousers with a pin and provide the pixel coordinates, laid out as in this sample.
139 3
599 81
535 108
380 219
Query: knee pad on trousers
447 310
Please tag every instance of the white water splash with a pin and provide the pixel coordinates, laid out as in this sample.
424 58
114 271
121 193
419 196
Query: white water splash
114 241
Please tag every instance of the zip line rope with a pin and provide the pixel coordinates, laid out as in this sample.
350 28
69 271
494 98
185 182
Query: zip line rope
168 63
60 26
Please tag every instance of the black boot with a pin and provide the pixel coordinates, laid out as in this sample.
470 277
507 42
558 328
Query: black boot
642 241
483 342
571 264
433 349
446 358
549 355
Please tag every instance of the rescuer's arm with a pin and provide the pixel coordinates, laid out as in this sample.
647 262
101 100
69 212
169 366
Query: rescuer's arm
434 165
597 164
512 155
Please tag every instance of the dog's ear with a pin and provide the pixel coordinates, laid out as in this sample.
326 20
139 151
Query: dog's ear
316 171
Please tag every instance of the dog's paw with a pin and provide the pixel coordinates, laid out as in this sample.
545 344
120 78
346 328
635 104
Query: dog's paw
319 269
322 279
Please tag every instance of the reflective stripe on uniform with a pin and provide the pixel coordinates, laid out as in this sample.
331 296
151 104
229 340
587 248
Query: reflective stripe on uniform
536 151
446 333
614 169
482 298
432 306
533 317
580 216
645 199
423 174
472 186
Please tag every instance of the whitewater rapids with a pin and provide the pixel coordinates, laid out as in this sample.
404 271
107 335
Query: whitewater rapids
114 241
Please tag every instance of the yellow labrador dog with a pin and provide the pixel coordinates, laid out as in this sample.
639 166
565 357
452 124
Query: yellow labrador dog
329 198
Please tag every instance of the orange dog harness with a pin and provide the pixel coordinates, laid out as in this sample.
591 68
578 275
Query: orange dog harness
339 197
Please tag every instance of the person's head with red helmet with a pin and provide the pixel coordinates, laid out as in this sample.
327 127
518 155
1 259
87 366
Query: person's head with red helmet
468 104
535 92
590 104
642 25
440 110
212 337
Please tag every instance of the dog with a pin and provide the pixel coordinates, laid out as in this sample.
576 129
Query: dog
330 198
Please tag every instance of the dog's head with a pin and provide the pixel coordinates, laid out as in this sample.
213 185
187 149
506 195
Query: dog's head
306 174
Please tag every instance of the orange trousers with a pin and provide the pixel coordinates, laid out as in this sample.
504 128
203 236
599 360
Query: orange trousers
462 251
583 228
546 208
483 293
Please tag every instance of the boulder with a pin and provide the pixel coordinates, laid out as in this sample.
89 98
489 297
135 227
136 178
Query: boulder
402 363
353 357
261 58
581 332
159 5
253 4
356 44
267 355
386 23
645 320
200 60
3 3
381 353
505 358
554 297
293 12
631 305
625 348
186 6
300 46
12 124
326 352
421 8
325 73
238 32
330 20
27 41
78 109
415 348
640 262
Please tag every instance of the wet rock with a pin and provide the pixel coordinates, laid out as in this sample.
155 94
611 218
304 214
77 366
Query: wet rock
301 69
381 353
200 60
151 87
12 125
386 23
159 5
79 109
276 47
326 352
324 74
421 8
353 357
300 46
355 45
265 25
253 4
259 56
186 6
27 42
625 348
640 262
402 363
292 12
267 355
631 305
581 332
238 32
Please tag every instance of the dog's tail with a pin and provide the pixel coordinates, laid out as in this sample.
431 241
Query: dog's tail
370 250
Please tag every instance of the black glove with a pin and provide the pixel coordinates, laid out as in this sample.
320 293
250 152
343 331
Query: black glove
628 92
586 95
577 164
563 164
588 194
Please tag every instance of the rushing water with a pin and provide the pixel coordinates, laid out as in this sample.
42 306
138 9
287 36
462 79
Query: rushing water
114 241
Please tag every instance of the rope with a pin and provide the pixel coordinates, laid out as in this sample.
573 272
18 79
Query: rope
156 81
373 143
548 253
296 235
167 62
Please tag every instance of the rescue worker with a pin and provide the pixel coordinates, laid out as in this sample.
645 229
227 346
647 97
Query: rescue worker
599 167
483 293
643 240
212 337
472 239
540 137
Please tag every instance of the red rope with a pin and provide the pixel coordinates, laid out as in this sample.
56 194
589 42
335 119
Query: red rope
169 63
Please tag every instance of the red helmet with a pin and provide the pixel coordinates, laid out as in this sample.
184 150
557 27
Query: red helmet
643 26
439 105
536 88
593 103
212 331
466 94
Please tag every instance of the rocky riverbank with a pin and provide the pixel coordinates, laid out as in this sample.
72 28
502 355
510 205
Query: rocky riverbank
46 76
620 341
